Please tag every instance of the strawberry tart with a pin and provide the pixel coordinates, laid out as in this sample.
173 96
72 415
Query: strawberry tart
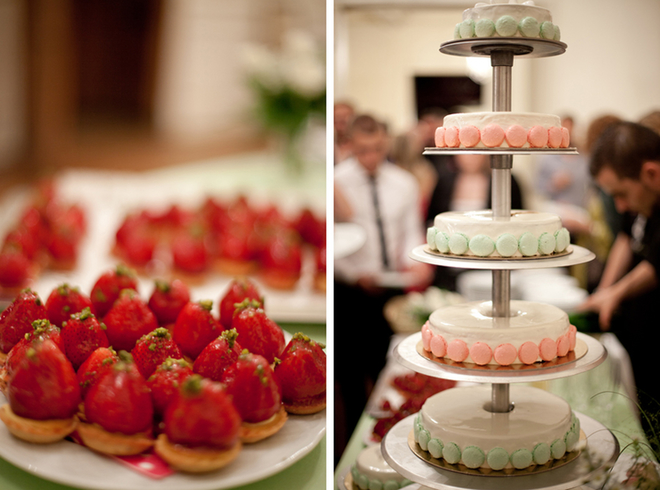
501 130
468 332
480 234
456 427
507 20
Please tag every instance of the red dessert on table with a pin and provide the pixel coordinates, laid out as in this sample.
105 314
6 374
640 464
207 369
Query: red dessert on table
281 261
302 375
257 396
166 381
129 319
202 428
218 356
258 333
82 334
195 328
152 349
239 289
64 301
107 287
16 320
167 300
97 364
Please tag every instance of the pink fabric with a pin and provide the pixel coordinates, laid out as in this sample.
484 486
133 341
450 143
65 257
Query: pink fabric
505 354
528 353
492 135
481 353
537 137
469 136
440 137
457 350
516 136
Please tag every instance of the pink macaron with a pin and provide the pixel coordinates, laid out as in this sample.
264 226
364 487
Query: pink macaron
554 137
469 136
481 353
451 137
427 335
440 137
548 349
537 137
516 136
438 346
505 354
563 345
492 135
528 353
565 138
457 350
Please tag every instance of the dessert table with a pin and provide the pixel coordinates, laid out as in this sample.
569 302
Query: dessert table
106 196
599 393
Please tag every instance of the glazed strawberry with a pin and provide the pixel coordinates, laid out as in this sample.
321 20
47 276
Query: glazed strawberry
239 290
16 320
258 333
97 364
218 356
202 415
235 253
302 375
195 328
82 334
16 269
167 300
129 319
41 329
190 252
107 287
138 247
62 245
64 301
44 385
152 349
22 240
282 261
256 392
120 401
166 381
311 228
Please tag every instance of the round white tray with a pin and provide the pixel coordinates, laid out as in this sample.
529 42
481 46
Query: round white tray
602 445
406 353
579 255
523 47
500 151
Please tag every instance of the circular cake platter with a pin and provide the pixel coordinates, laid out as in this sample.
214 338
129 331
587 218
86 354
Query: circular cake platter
432 150
527 47
580 255
603 449
592 354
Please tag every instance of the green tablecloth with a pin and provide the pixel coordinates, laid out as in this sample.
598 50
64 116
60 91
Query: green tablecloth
593 393
309 473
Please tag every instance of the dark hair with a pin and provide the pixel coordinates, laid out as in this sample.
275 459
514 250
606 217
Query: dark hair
624 147
365 124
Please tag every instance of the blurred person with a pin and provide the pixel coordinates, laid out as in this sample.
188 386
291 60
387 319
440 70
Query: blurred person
625 162
407 154
651 120
465 185
384 200
343 114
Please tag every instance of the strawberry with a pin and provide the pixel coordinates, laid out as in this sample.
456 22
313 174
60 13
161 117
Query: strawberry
239 289
258 333
218 355
95 366
64 301
167 300
302 374
62 245
202 415
44 385
320 271
107 287
166 381
41 329
129 319
82 334
16 269
281 262
21 239
311 229
256 392
16 320
190 250
138 247
195 328
120 400
152 349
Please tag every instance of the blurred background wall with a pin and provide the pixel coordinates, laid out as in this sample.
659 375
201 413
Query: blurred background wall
610 66
132 83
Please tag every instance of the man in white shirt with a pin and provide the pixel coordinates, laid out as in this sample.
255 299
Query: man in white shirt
384 200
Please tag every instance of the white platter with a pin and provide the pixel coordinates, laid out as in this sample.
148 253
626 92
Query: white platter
71 464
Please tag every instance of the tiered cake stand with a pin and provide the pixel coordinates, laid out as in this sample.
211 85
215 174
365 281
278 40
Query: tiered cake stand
602 445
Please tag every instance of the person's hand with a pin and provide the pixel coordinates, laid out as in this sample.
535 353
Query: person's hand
605 302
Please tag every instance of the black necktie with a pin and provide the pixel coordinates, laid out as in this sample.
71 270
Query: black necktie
379 221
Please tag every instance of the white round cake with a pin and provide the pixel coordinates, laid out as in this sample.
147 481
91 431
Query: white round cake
371 471
468 332
455 425
501 130
507 20
478 233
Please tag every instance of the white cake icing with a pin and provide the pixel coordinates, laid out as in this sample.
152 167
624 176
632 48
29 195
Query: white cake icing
507 20
371 471
544 330
455 425
502 130
529 233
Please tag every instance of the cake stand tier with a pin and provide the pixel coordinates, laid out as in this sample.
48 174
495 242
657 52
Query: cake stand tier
405 352
602 445
579 255
431 150
520 47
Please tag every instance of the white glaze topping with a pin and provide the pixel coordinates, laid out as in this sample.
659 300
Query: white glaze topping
508 13
458 416
504 119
